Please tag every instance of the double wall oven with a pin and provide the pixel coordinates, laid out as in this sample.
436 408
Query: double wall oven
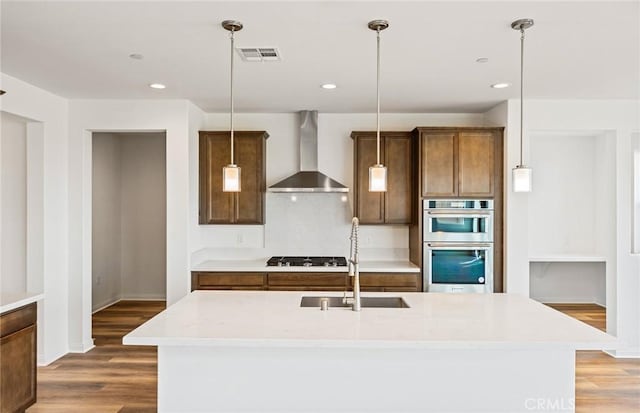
458 245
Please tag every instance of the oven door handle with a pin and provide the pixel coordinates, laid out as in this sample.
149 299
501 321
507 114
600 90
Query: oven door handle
450 245
461 212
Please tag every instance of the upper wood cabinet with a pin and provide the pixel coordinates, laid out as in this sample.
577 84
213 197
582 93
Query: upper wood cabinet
393 206
459 162
245 207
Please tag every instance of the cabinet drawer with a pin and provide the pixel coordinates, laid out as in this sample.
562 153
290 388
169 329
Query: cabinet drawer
307 279
17 319
231 287
306 288
389 280
204 279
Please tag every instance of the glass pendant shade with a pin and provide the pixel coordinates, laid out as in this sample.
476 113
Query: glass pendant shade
377 178
231 178
522 179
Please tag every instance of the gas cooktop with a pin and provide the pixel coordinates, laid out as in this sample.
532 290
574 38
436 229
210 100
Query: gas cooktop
307 262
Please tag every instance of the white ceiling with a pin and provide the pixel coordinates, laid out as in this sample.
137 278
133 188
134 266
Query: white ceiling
576 50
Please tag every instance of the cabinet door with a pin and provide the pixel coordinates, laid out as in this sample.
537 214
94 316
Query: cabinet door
216 207
318 281
227 281
369 206
249 151
389 281
18 370
476 163
397 199
439 167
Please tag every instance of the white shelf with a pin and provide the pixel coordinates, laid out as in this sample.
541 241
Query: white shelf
568 258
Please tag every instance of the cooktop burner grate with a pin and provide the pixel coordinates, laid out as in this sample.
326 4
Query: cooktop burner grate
307 262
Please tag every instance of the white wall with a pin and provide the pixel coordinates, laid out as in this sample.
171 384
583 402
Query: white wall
570 213
129 217
617 120
143 211
568 282
47 136
289 228
87 116
106 220
636 192
562 214
13 204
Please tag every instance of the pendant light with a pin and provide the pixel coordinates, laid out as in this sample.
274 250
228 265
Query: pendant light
231 172
521 174
378 172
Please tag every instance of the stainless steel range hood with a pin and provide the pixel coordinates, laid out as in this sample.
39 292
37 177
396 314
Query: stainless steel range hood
309 179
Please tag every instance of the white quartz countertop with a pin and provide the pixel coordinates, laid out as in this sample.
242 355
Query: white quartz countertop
11 301
261 266
433 321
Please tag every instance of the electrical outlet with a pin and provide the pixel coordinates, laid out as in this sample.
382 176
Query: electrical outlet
98 280
240 239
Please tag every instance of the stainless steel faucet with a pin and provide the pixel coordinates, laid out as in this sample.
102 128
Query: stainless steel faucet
354 265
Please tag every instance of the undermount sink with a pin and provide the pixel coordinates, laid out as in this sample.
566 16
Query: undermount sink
371 302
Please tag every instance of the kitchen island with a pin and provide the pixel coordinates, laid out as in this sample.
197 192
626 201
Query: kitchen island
255 351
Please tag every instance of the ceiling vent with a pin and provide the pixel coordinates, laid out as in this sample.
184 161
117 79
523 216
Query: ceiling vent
259 54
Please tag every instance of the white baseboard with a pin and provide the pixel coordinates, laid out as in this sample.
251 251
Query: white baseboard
143 297
624 353
567 300
133 297
43 360
106 304
81 347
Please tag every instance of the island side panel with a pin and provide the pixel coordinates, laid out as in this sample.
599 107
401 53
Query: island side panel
325 379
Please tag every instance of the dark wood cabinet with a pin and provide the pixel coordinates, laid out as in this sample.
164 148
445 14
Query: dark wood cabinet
228 281
459 162
439 164
304 281
476 165
245 207
393 206
18 359
396 282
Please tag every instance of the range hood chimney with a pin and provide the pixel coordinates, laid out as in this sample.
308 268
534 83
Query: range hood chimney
309 179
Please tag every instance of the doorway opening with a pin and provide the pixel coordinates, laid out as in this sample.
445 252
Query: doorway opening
128 217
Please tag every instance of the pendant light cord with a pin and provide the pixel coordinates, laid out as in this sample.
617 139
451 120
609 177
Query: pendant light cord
521 91
378 99
231 120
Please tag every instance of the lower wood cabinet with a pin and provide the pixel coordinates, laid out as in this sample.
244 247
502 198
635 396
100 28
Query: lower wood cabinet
304 281
228 281
18 346
289 281
379 281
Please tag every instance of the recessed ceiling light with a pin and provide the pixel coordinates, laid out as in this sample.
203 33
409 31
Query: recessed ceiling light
482 60
136 56
329 86
500 85
157 86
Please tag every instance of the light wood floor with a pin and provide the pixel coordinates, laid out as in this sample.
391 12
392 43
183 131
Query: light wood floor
110 377
115 378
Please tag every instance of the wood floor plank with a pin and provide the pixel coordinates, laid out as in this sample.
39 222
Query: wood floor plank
112 378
